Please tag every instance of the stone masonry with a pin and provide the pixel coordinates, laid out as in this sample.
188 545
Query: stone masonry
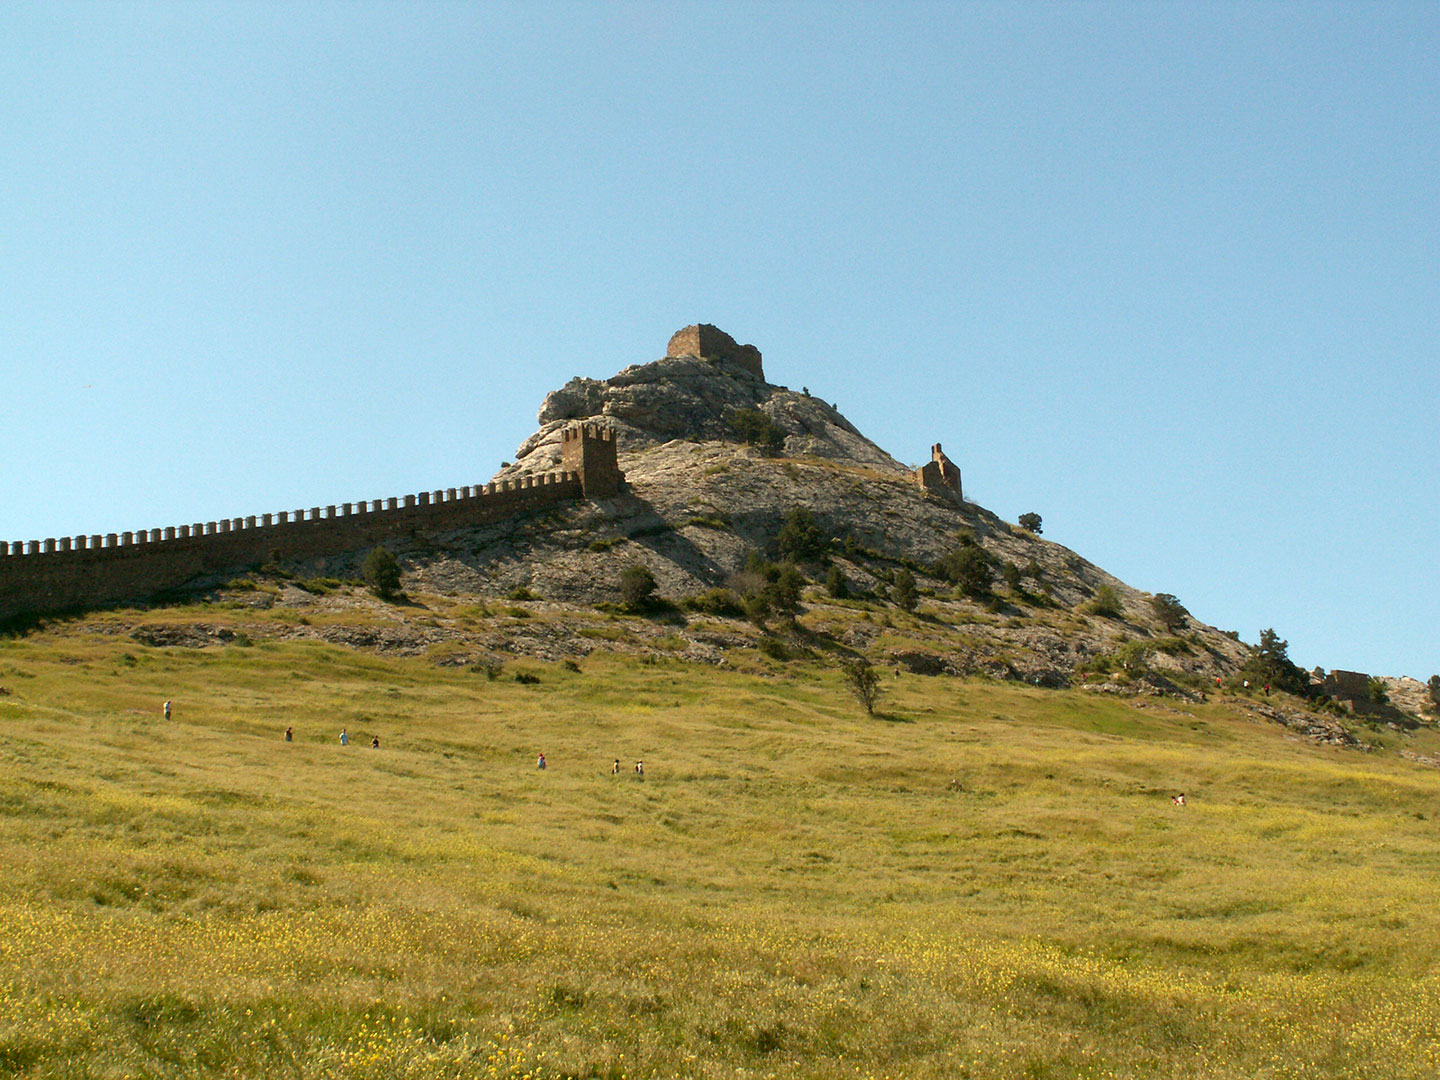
711 343
78 572
939 474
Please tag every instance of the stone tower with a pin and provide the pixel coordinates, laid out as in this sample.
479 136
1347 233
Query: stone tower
589 449
939 474
711 343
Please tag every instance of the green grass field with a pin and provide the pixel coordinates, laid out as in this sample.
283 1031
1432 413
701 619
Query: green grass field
991 881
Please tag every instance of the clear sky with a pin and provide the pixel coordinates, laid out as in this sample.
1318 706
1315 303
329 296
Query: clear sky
1166 274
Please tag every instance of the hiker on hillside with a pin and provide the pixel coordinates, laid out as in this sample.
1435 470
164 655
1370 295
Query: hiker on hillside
640 769
1178 800
615 769
375 742
344 737
289 734
540 762
166 710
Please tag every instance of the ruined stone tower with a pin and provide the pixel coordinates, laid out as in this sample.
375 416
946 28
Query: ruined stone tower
711 343
939 474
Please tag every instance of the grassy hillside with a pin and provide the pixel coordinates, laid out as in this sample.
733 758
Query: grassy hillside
991 881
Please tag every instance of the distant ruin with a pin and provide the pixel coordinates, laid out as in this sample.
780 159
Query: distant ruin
939 474
1350 690
77 572
711 343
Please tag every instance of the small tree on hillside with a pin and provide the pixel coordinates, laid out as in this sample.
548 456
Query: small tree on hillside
1169 611
835 583
784 592
1379 692
903 591
970 567
863 682
1030 522
1106 603
801 539
758 429
1434 686
381 572
637 587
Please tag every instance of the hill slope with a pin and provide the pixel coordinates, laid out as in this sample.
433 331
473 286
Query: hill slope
991 882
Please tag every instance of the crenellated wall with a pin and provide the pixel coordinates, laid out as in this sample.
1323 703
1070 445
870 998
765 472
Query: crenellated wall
86 571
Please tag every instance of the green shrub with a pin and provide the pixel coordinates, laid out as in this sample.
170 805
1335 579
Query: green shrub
836 585
758 429
381 572
637 587
773 647
863 681
1106 603
969 566
1011 573
521 592
903 592
1379 692
720 602
1030 522
801 538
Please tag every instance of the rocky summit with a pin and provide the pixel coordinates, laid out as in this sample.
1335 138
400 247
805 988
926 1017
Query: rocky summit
702 499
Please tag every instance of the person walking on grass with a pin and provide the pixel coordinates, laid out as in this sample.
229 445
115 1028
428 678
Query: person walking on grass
289 734
166 710
615 769
375 742
540 763
344 737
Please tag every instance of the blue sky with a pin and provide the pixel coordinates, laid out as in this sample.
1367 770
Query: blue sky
1166 274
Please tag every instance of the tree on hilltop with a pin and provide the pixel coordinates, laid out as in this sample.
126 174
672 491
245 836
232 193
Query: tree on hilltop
1270 664
1030 522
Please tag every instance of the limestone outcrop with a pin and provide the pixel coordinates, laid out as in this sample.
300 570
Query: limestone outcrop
693 397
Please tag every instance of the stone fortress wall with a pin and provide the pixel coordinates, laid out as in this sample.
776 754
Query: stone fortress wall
88 571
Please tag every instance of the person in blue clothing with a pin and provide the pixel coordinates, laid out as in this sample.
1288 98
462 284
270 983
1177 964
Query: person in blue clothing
540 763
344 737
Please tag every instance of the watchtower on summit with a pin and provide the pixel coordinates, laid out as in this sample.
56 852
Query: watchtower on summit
711 343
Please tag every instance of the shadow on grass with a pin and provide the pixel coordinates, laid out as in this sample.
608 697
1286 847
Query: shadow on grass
891 718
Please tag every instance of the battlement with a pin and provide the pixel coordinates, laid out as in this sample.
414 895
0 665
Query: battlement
589 450
939 474
68 572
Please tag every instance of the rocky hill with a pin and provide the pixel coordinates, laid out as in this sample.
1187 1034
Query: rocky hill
717 460
700 501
